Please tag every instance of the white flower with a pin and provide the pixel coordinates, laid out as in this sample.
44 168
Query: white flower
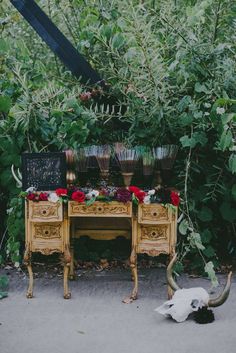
31 189
52 197
146 200
151 192
92 194
220 110
207 105
206 113
9 210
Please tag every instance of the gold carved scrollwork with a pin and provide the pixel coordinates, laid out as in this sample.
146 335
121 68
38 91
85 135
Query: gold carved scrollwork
47 251
47 231
155 232
152 252
45 211
158 212
101 209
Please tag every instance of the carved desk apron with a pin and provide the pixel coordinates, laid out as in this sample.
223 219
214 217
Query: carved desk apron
47 232
100 221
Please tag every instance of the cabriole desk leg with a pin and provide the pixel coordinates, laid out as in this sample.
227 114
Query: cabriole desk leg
72 261
134 270
67 260
27 261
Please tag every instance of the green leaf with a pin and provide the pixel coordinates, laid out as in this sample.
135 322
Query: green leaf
206 236
209 251
188 141
91 201
118 41
205 214
232 163
209 269
233 191
201 88
227 212
184 103
4 281
226 140
4 46
226 118
200 137
195 241
183 227
5 104
186 119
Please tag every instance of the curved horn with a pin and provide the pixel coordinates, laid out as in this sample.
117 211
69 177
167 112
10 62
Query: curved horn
223 296
170 278
19 174
18 181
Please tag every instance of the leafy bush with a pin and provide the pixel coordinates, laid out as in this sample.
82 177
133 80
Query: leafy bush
170 68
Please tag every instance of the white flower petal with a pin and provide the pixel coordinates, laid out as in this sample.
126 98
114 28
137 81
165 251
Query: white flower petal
53 197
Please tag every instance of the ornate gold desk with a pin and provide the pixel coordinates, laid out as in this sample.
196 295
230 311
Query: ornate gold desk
47 232
49 226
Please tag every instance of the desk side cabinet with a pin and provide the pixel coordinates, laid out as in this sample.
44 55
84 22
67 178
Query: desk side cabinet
46 232
154 233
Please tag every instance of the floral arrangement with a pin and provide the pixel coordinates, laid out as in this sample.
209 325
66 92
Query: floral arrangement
107 194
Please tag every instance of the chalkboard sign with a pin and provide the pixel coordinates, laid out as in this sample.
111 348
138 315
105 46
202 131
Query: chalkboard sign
44 171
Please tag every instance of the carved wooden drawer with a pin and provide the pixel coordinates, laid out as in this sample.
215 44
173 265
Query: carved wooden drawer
100 209
154 239
45 211
47 231
153 213
154 233
47 238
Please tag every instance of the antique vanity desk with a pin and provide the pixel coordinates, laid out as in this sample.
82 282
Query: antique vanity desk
51 227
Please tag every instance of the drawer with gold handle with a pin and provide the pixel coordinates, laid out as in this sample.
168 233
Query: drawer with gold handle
153 213
45 211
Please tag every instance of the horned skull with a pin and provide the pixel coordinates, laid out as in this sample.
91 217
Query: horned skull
186 301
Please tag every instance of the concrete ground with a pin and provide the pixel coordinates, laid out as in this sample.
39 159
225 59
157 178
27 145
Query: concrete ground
96 321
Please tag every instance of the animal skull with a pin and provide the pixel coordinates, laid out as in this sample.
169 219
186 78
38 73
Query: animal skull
185 301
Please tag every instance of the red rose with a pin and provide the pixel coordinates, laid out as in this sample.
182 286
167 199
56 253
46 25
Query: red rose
134 189
140 196
78 196
175 200
61 192
31 197
43 196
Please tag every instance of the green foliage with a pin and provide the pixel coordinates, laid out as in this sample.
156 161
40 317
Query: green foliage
171 67
3 286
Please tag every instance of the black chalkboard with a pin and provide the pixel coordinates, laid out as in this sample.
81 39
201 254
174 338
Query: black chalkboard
44 171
